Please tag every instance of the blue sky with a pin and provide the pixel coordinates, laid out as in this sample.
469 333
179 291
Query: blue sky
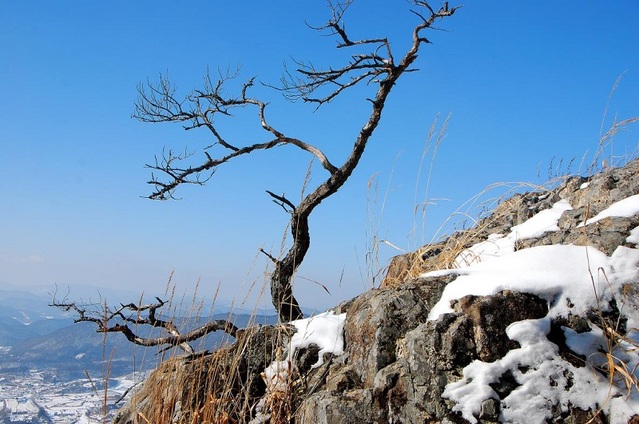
526 84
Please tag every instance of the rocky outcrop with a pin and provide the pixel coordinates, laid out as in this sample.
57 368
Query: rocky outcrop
399 362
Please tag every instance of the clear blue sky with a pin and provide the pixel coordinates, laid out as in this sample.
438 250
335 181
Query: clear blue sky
525 82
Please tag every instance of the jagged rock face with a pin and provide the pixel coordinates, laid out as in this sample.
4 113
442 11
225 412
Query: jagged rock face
397 363
490 315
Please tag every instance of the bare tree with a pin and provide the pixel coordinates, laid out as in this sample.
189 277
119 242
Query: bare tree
373 63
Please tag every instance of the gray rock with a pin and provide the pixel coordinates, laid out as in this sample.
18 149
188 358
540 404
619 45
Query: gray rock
490 409
490 315
378 318
352 407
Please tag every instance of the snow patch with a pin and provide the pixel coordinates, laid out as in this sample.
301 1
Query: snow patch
543 379
562 274
542 222
634 236
276 376
624 208
325 330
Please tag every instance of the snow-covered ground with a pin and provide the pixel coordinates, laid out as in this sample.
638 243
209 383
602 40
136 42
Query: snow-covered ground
34 398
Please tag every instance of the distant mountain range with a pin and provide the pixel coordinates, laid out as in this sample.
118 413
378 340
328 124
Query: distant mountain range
34 335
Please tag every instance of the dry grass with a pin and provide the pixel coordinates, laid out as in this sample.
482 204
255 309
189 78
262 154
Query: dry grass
621 350
216 387
202 387
223 386
605 155
374 269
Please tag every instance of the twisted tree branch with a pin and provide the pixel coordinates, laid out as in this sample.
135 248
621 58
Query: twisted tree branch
116 320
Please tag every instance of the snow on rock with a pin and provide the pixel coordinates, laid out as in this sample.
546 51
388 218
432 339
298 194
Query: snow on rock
563 275
325 330
543 378
545 220
634 236
626 207
276 376
573 280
